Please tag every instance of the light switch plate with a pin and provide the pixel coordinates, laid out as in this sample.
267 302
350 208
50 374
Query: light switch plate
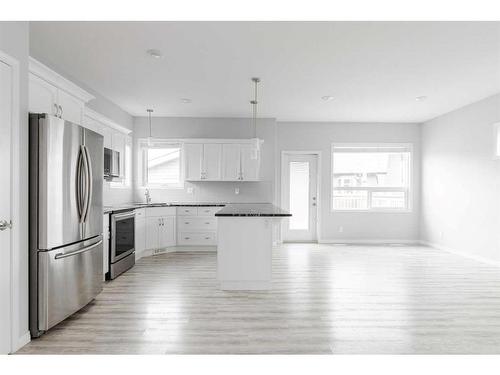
190 190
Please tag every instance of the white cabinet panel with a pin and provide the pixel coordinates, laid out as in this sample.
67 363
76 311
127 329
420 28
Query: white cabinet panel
152 232
105 247
231 162
197 223
187 211
71 107
193 155
160 211
212 160
167 232
140 236
42 96
249 162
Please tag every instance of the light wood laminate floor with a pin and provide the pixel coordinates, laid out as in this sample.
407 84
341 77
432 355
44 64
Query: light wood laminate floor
325 299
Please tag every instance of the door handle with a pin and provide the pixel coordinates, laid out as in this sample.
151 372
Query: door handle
4 224
61 112
85 249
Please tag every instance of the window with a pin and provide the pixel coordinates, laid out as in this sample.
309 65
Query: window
371 177
162 165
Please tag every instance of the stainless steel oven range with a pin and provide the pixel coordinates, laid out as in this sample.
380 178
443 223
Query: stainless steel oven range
121 242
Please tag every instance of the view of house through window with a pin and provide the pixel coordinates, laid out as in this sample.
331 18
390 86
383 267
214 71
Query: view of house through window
162 165
370 177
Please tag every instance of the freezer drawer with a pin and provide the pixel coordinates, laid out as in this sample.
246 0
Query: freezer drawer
68 279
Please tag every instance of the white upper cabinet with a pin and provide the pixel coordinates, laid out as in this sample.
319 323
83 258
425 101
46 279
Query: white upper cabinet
203 161
42 96
250 162
51 93
231 162
70 108
193 158
212 160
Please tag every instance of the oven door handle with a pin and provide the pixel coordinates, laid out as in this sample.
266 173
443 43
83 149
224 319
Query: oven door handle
123 216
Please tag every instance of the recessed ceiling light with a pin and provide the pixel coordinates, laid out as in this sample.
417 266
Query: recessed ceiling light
186 100
327 98
155 53
420 98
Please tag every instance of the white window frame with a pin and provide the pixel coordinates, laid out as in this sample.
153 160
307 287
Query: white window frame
408 190
143 146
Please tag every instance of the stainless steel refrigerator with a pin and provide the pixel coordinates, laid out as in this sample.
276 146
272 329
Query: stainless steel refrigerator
66 177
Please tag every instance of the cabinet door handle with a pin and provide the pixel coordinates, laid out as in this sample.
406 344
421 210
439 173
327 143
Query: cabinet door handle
186 238
208 223
207 238
186 222
61 113
57 110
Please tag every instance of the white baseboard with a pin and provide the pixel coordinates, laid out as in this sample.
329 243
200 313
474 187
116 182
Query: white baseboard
384 241
21 341
461 253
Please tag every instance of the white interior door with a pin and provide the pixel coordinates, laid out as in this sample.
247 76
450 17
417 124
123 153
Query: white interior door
300 187
6 98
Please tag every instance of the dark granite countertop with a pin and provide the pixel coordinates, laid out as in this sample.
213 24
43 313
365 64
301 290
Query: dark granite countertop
252 209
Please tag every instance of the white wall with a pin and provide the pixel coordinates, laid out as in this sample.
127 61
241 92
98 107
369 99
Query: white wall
189 127
14 42
357 226
461 181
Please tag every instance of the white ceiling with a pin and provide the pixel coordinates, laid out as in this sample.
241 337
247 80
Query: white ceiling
373 69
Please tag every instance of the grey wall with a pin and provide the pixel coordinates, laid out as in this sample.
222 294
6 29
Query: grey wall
14 41
357 226
461 181
188 127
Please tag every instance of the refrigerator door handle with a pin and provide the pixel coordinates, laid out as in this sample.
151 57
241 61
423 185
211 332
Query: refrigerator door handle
89 180
79 185
65 255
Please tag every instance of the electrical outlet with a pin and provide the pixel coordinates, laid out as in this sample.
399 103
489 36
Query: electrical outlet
190 190
341 229
441 234
236 191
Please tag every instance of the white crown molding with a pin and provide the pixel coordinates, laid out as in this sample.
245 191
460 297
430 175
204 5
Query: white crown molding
105 121
47 74
203 140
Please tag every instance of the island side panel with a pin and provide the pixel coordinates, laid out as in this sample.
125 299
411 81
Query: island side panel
244 253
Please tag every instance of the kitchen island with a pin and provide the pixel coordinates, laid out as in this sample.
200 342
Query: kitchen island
245 240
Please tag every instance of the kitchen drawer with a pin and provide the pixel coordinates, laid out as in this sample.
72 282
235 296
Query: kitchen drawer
208 211
140 213
160 211
197 238
197 223
187 211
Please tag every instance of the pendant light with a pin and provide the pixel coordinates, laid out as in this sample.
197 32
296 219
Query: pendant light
150 138
254 103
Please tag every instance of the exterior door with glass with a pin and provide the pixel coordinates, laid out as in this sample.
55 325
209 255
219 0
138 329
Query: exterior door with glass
300 196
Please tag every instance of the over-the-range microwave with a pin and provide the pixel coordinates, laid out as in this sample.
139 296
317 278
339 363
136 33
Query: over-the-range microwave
111 164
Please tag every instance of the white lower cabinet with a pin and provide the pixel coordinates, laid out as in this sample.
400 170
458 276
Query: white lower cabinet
105 247
196 226
140 233
160 228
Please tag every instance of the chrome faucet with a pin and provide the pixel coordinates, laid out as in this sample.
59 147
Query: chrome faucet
148 196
